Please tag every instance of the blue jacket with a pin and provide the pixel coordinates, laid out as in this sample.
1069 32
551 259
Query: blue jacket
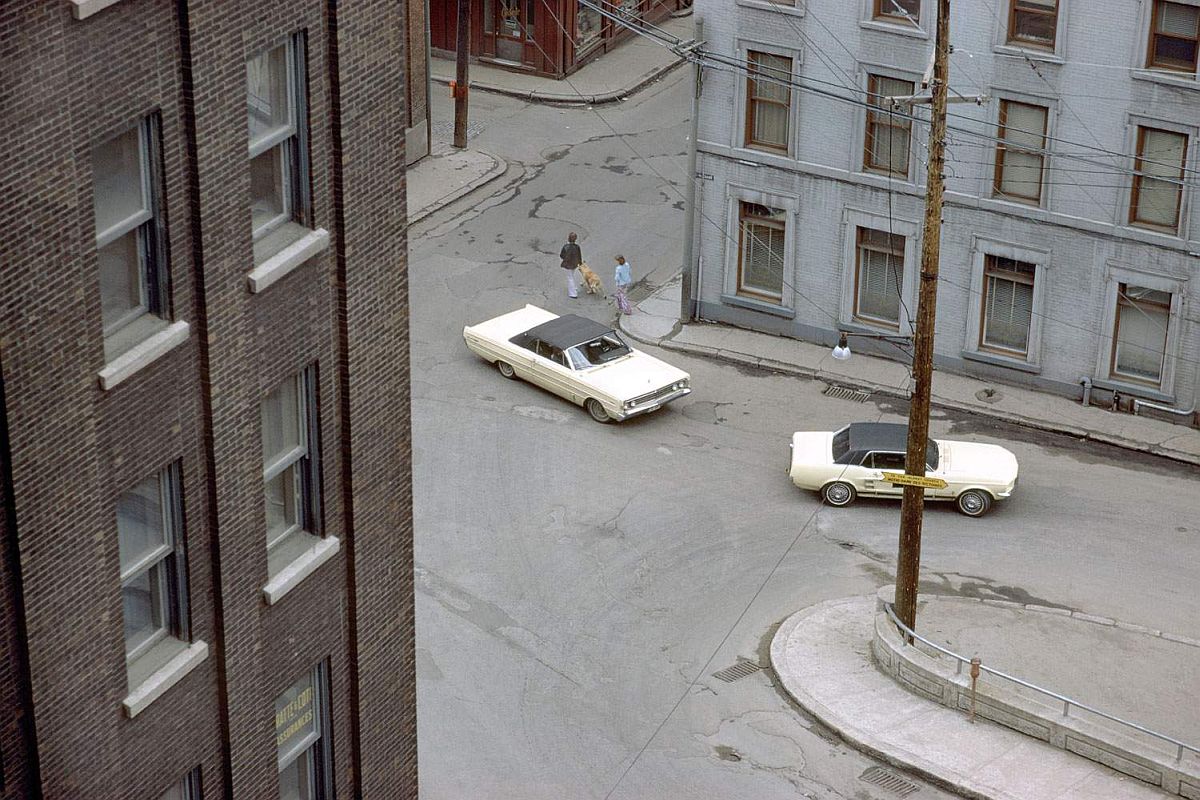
621 277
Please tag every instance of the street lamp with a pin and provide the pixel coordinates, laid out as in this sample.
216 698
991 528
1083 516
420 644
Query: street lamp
842 351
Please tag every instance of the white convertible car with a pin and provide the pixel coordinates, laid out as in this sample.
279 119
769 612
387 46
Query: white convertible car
577 359
853 461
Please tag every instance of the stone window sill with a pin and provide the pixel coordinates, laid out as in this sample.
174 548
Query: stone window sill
758 305
1132 389
897 27
1032 53
997 360
272 269
1179 80
166 676
143 354
795 9
82 9
300 568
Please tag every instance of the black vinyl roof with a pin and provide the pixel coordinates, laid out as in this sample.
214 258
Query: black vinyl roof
565 331
888 437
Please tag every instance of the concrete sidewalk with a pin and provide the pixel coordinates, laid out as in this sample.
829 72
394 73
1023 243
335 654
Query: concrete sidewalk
656 321
613 76
822 656
447 174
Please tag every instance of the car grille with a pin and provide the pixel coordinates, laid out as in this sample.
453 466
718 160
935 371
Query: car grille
655 395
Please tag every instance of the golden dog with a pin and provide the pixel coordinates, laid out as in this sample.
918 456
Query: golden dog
591 280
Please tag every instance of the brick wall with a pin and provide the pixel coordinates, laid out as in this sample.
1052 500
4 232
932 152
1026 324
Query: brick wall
68 85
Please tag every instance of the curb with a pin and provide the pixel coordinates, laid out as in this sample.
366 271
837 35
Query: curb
821 713
499 167
556 98
733 357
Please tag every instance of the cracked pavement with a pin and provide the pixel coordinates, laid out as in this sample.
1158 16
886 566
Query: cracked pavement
578 584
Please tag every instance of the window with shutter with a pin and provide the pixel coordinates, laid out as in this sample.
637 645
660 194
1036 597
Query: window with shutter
1158 178
1140 339
879 278
1033 23
768 101
1007 306
1174 36
761 233
886 142
1019 157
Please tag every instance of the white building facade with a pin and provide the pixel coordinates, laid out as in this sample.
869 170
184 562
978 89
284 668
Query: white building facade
1071 231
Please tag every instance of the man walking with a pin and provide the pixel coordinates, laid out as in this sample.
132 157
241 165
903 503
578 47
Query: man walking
571 257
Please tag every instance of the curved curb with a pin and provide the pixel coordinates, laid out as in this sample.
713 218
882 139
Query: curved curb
556 98
856 738
734 357
498 168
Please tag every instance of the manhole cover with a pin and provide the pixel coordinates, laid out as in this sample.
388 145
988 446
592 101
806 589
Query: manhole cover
846 393
886 779
445 129
737 671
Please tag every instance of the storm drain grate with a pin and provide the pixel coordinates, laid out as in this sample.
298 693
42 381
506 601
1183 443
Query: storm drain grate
885 779
846 393
737 671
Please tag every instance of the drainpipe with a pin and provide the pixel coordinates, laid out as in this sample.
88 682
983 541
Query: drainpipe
1139 404
428 80
1087 391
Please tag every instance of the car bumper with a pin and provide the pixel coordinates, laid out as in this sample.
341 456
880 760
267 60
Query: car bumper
652 405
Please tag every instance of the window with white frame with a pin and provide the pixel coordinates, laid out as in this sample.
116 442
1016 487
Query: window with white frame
1033 23
290 468
153 588
1020 152
886 142
278 146
1158 178
186 789
768 100
1174 36
1007 314
907 12
129 254
1140 336
761 248
879 277
301 741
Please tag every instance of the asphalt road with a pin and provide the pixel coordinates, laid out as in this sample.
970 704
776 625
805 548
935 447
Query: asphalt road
578 584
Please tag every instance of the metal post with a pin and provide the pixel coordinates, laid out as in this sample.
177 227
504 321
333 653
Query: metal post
460 75
908 567
687 298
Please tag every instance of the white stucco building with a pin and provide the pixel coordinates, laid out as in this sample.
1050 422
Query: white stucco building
1071 229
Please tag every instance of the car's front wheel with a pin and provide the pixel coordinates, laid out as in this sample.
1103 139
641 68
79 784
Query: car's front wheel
838 493
596 409
506 369
974 502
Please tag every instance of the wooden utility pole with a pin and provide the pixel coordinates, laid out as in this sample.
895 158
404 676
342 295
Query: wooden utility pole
687 298
461 80
908 566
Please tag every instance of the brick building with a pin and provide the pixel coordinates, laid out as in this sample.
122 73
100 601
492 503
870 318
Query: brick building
546 37
1071 227
205 555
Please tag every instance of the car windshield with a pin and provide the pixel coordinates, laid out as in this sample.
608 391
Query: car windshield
841 444
600 350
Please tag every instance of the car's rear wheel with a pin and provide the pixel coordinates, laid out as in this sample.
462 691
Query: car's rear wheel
596 409
974 502
506 369
838 493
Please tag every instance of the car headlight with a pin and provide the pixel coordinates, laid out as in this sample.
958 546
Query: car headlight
629 404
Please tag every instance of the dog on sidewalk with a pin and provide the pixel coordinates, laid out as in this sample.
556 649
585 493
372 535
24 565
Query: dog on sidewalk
591 280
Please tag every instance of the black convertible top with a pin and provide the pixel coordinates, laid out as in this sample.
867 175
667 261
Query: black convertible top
888 437
563 332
